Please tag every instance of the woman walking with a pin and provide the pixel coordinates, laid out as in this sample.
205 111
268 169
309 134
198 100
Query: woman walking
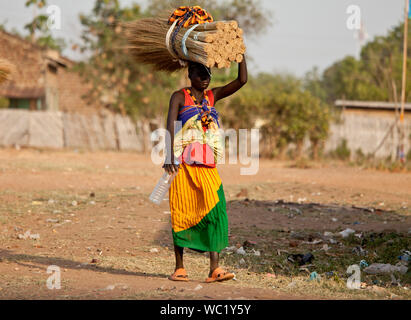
197 200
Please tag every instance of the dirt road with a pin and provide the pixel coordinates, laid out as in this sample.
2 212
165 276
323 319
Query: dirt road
89 214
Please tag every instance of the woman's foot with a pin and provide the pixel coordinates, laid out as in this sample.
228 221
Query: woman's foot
179 275
219 275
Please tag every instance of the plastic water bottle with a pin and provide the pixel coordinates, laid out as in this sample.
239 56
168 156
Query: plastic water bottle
162 187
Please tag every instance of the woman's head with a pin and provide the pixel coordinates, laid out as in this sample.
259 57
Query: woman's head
199 75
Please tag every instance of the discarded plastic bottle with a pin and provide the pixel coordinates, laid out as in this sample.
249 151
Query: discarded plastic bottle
162 187
363 264
405 257
314 276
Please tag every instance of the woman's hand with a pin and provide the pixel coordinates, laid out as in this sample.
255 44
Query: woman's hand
171 168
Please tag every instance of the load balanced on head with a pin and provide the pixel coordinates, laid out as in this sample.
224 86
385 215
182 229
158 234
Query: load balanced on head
188 34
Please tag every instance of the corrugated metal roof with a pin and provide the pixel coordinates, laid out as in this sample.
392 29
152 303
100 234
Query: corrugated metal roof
378 105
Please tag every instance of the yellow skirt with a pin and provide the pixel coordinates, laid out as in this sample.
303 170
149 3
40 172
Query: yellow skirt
198 209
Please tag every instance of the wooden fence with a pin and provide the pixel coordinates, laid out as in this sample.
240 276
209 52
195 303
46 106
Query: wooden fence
66 130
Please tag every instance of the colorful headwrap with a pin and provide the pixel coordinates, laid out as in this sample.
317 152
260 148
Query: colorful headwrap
188 16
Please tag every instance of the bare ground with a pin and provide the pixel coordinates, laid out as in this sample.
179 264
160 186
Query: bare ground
95 222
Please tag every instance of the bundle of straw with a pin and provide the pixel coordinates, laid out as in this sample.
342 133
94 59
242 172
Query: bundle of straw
5 70
214 44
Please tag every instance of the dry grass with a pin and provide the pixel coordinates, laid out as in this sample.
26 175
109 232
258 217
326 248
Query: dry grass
197 266
382 248
147 38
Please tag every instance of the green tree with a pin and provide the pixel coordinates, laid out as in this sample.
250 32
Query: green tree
375 76
39 24
347 79
287 113
118 82
313 83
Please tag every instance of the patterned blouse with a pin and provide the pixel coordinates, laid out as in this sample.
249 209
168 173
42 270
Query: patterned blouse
199 141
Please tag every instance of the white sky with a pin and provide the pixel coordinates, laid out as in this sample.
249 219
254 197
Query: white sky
305 33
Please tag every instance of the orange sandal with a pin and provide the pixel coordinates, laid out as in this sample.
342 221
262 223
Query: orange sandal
179 275
220 275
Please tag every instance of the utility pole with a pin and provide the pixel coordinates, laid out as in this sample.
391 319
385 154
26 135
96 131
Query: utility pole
404 82
33 25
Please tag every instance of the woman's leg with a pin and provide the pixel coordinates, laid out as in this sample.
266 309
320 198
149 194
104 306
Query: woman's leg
222 275
214 256
179 251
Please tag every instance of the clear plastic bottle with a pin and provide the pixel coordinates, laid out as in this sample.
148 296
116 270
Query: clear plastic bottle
162 187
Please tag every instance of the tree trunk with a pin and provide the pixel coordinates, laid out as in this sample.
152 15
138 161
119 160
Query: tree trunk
145 135
299 149
315 149
282 152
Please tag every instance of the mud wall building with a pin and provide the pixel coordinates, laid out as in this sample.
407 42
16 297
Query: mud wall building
46 109
43 79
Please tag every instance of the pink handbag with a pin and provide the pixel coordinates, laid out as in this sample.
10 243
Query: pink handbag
197 153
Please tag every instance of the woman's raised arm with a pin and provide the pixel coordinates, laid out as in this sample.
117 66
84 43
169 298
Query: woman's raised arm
233 87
